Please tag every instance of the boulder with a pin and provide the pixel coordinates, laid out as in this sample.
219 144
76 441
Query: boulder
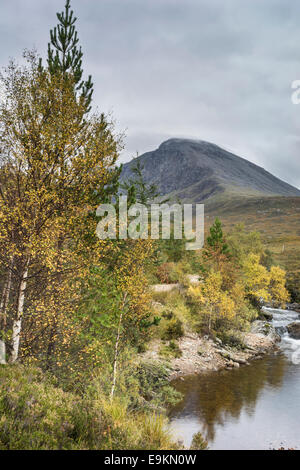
265 315
265 329
294 330
295 307
232 358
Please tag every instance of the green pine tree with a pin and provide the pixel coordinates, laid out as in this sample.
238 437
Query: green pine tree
144 192
65 56
216 238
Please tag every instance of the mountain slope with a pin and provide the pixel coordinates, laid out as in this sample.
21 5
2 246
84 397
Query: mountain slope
195 171
231 188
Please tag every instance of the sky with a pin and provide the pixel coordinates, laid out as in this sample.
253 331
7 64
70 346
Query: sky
212 70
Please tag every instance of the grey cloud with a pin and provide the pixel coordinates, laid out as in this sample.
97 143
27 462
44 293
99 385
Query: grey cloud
205 69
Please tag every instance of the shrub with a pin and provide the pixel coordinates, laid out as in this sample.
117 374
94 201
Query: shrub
172 330
164 273
168 314
147 386
231 338
198 442
34 413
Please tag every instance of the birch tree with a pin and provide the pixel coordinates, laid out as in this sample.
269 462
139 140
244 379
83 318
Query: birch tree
56 166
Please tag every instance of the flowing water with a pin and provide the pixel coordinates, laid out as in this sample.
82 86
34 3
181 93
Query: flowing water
254 407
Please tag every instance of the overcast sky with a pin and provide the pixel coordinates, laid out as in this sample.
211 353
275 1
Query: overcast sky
213 70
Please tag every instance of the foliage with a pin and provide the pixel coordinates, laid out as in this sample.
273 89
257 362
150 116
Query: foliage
198 442
80 308
55 168
256 278
293 286
65 57
216 249
173 329
37 415
267 259
165 273
235 282
242 243
146 386
213 302
231 338
277 286
175 315
115 305
144 193
172 250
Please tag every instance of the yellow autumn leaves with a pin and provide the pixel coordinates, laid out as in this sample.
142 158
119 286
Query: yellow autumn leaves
255 282
213 302
57 164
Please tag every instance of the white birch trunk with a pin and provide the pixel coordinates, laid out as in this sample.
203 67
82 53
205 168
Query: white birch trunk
17 324
2 314
2 352
3 311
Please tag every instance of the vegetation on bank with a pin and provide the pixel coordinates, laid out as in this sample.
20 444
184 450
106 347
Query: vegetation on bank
37 414
76 311
235 275
277 221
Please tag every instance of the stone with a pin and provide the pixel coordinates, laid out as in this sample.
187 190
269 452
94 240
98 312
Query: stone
294 330
265 329
294 306
240 360
265 315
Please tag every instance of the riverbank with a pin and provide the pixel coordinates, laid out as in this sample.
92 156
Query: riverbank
202 354
253 407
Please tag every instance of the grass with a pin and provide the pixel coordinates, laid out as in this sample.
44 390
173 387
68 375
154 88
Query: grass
170 350
38 415
175 303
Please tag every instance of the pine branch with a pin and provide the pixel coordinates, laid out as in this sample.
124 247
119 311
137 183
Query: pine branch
64 55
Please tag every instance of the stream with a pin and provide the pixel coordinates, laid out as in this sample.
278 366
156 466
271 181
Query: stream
255 407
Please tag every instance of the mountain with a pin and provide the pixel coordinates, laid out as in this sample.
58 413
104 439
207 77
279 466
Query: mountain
197 171
231 188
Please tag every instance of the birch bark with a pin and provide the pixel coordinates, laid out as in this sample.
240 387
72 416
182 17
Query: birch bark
17 323
3 313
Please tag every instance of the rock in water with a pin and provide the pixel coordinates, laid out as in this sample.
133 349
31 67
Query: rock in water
294 330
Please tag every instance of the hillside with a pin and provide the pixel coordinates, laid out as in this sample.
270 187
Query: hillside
277 219
195 171
232 188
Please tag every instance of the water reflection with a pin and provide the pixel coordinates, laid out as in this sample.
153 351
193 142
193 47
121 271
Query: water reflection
227 399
